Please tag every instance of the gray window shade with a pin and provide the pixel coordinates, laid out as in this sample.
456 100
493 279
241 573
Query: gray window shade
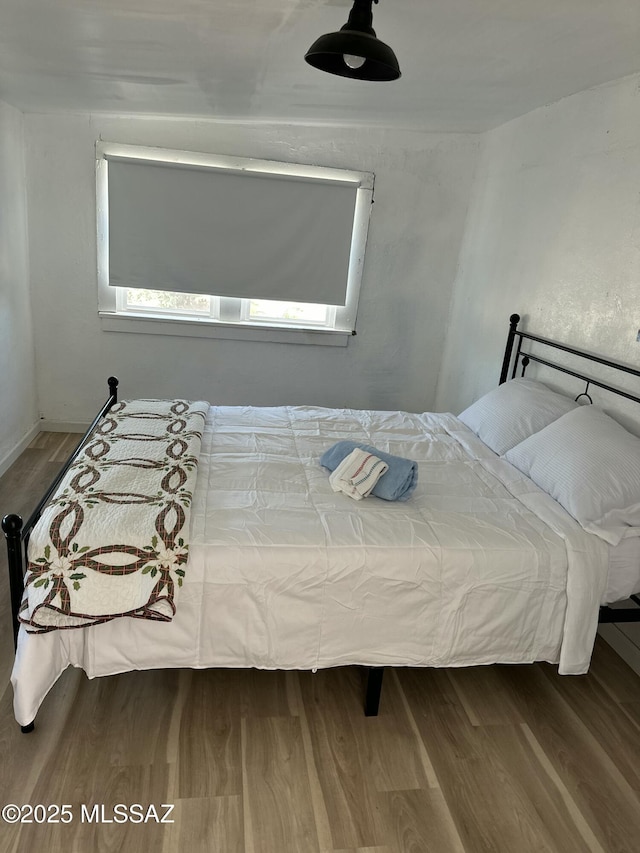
229 233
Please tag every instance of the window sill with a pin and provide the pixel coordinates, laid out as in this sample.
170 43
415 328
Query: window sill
196 328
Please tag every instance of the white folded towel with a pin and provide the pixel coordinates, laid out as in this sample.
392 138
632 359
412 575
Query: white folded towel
357 474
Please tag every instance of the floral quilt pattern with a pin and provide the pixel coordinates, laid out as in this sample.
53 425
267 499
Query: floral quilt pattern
114 539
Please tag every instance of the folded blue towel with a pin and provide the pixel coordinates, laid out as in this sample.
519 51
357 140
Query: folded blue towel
396 484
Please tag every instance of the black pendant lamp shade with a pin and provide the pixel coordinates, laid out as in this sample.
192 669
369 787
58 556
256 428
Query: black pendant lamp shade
355 51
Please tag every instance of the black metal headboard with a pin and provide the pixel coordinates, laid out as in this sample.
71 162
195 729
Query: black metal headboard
521 360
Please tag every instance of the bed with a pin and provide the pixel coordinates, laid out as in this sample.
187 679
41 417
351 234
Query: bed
498 556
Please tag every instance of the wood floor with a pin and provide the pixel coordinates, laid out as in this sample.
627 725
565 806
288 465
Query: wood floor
501 759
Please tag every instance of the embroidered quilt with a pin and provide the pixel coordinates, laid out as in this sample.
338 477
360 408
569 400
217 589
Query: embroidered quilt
114 539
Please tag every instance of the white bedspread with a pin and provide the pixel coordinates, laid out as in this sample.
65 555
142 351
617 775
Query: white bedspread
478 567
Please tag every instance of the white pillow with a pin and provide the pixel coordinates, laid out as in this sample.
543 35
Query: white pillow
589 464
513 411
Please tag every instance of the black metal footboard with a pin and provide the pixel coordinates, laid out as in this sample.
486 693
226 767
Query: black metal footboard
17 532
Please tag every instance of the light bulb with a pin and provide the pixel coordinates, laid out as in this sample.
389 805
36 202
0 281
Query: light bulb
354 61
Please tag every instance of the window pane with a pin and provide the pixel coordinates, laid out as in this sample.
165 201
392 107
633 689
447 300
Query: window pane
169 301
305 312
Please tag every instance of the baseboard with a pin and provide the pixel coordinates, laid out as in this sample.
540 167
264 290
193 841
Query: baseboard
21 446
63 426
622 645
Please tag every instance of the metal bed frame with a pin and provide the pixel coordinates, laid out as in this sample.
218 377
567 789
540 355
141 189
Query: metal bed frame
17 533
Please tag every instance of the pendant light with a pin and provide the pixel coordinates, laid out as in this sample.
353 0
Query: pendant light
355 51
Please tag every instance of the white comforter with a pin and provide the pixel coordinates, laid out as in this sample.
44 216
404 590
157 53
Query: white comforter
478 567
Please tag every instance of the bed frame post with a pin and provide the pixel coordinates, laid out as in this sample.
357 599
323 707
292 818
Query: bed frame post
113 388
12 528
374 687
514 319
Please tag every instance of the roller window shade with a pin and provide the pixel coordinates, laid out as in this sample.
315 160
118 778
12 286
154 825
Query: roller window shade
229 233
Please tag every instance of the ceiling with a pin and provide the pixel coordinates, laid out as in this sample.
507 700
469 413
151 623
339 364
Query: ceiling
467 65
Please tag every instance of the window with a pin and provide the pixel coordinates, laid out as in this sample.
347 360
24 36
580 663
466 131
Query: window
208 244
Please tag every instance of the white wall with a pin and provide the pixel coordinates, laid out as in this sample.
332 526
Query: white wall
422 189
554 235
18 410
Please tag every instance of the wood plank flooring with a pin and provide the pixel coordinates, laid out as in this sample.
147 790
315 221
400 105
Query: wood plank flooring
500 759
